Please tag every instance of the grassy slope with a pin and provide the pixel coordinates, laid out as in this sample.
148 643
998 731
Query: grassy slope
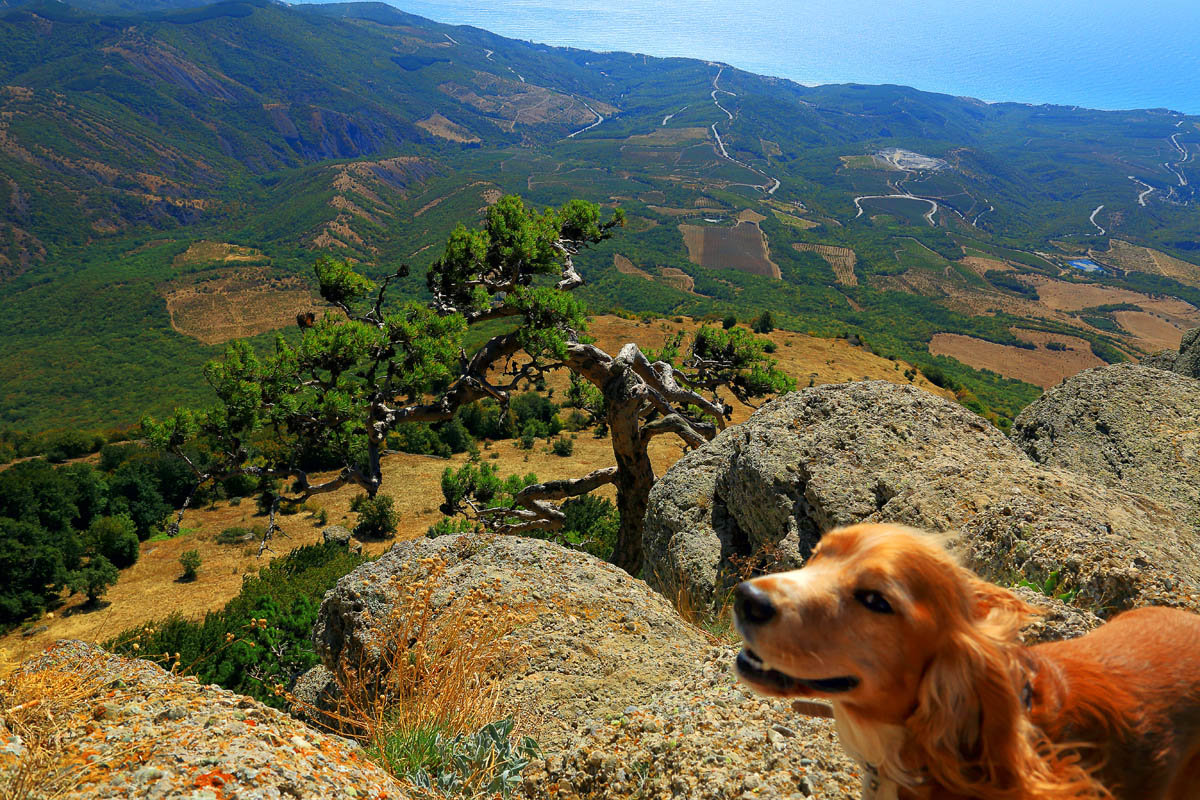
415 483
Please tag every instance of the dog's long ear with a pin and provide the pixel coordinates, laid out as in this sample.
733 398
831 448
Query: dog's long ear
996 612
968 728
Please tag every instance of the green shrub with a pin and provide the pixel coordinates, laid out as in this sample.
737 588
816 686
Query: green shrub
447 526
730 321
237 535
377 518
190 561
563 446
115 538
763 323
94 578
260 639
485 763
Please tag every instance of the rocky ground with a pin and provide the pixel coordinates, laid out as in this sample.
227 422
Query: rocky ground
627 700
103 726
876 452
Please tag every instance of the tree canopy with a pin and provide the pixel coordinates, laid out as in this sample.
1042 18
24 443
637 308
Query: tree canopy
371 364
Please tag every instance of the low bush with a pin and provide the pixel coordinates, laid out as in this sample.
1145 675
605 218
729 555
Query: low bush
190 561
259 642
377 517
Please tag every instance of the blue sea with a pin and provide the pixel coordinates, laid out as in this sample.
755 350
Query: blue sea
1110 54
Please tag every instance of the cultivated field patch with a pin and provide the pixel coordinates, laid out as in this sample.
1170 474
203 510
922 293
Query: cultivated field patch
1041 366
665 137
1149 331
439 126
206 252
626 267
742 247
678 279
217 306
1131 257
912 212
980 265
841 259
1068 296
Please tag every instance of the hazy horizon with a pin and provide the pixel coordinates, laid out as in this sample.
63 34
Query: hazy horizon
1109 55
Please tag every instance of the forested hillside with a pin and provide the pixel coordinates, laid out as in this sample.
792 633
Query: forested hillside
172 173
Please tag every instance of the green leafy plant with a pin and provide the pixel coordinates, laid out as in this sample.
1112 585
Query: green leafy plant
377 517
1049 587
487 762
190 562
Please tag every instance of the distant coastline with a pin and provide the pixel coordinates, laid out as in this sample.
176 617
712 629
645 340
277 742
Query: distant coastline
1085 54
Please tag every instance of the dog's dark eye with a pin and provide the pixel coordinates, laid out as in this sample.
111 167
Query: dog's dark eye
873 601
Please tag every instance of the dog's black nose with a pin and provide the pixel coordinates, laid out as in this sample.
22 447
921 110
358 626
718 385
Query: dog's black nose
752 604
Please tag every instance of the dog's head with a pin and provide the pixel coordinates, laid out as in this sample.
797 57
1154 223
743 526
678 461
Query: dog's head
863 621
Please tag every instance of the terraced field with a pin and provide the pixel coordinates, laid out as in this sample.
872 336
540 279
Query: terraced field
742 247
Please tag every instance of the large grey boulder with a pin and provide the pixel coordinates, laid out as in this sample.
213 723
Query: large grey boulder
1128 426
592 640
1184 361
875 451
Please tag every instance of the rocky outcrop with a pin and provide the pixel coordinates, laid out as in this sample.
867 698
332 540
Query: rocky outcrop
592 640
703 738
103 726
1128 426
1184 361
875 451
341 535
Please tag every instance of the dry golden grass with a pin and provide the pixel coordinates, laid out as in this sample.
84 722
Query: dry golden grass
436 671
438 667
415 484
39 706
1041 367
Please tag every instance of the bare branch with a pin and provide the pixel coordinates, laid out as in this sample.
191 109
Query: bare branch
681 427
567 487
661 377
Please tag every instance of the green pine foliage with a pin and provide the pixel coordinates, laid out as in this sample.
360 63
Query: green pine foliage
260 640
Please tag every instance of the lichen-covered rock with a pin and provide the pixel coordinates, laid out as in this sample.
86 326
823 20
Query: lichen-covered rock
341 535
1188 361
593 641
878 452
127 728
704 738
1128 426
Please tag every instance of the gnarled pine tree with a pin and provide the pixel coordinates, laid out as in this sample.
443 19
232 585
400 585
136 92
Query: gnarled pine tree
370 365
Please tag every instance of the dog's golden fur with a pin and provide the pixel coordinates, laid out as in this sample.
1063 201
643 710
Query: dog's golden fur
931 686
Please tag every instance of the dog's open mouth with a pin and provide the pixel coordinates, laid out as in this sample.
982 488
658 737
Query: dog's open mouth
752 668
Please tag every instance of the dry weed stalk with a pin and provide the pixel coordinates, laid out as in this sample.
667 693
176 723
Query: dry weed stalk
434 664
39 706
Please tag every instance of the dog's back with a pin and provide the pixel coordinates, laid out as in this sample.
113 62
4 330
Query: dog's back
1131 688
